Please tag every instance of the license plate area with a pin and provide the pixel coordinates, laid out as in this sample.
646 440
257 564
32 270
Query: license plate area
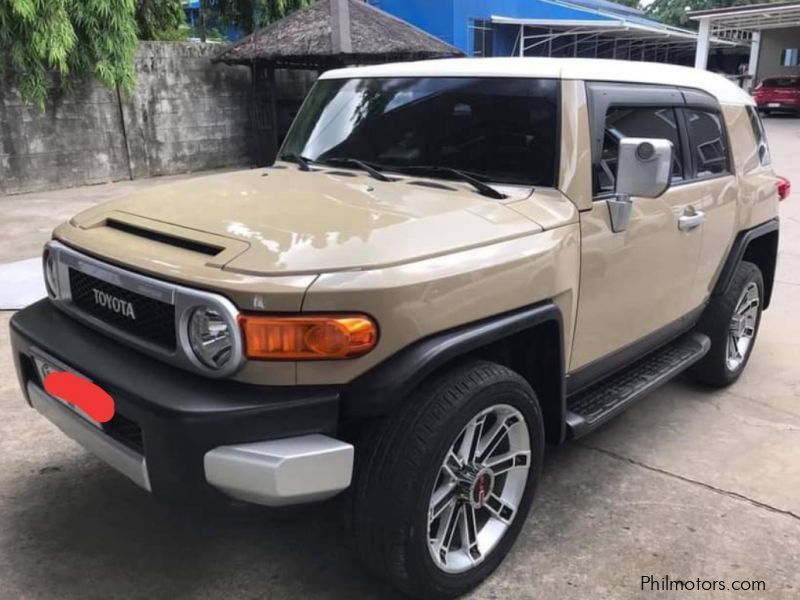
45 365
774 104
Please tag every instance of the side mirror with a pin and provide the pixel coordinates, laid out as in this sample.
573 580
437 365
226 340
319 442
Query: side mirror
644 169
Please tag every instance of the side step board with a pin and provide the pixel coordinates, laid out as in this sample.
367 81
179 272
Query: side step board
591 408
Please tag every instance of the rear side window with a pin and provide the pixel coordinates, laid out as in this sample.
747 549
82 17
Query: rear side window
708 142
760 135
782 82
646 122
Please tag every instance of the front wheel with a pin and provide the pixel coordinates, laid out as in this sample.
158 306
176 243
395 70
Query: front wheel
443 487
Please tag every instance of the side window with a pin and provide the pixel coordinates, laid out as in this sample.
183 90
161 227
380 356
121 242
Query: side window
707 139
645 122
760 135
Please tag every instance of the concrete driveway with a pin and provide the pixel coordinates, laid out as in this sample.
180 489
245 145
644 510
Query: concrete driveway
687 484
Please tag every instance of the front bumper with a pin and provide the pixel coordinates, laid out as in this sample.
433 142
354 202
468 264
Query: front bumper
183 436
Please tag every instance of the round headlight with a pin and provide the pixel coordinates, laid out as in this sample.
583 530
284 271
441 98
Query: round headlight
50 274
211 337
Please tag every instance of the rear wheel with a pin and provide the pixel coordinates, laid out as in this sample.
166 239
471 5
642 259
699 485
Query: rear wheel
731 321
443 487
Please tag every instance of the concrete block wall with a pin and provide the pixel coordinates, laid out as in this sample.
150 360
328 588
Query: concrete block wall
186 114
77 140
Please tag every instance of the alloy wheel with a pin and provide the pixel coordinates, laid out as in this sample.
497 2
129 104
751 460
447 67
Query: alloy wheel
742 328
479 488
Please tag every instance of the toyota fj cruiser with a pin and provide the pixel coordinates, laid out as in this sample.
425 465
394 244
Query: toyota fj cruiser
450 264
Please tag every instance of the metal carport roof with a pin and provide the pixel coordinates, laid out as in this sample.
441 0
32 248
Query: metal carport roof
742 24
591 23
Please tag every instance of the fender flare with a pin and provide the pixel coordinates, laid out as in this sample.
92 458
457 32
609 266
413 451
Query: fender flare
737 253
384 386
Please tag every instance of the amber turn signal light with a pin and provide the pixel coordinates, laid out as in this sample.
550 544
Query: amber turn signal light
315 337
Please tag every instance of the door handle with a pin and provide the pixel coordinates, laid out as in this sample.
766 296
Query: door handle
690 219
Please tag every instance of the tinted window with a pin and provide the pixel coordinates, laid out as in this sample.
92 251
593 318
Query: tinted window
760 135
636 122
707 138
782 82
500 130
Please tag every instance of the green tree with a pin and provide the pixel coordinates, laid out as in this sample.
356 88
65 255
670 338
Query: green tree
160 19
631 3
251 15
39 37
673 12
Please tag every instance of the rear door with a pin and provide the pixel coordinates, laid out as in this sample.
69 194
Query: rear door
713 183
636 283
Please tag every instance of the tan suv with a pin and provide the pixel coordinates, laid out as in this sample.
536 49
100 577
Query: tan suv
452 263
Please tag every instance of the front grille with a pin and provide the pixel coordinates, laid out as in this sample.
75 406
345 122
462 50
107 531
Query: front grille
147 319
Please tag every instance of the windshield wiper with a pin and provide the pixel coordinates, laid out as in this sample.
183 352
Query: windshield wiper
303 163
483 189
373 171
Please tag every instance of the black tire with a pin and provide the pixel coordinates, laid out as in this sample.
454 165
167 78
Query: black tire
397 465
714 369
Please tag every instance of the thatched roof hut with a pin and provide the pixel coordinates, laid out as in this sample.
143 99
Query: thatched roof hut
333 33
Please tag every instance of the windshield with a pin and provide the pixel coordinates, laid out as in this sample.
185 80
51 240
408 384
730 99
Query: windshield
498 130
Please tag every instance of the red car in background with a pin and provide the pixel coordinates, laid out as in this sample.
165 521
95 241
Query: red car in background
778 94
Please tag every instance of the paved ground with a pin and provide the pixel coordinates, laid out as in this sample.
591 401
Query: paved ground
687 483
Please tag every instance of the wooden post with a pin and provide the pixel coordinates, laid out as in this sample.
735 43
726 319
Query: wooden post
202 20
273 109
341 40
264 113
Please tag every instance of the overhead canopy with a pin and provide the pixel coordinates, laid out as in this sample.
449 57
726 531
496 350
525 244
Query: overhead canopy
332 33
740 22
615 29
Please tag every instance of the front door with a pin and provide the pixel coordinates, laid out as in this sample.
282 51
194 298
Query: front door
636 282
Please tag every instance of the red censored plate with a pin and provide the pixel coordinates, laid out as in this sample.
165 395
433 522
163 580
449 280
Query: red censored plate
83 394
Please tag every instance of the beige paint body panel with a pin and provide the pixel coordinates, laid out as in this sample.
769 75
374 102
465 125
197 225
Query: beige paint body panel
758 198
547 208
717 198
416 300
297 223
733 204
576 157
635 281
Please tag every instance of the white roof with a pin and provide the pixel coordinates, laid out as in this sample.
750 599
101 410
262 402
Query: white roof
589 69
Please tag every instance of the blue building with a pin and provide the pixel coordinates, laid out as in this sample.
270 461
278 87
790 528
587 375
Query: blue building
582 28
191 9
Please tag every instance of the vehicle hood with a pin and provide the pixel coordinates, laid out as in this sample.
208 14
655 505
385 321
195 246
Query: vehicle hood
284 221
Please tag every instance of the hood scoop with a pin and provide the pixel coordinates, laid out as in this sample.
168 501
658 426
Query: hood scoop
199 247
165 238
